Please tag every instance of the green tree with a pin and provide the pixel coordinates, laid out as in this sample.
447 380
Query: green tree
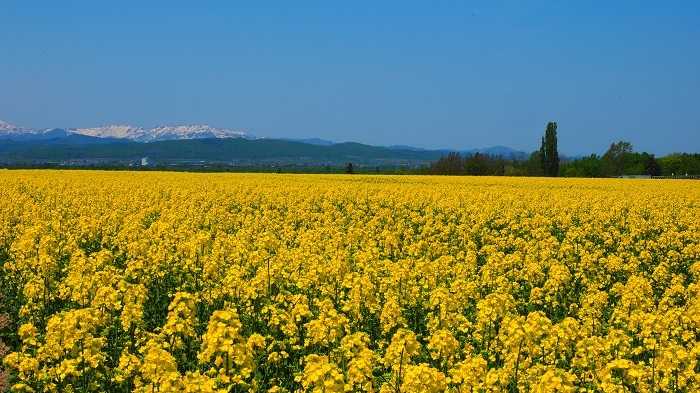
652 166
451 165
588 166
501 166
680 164
549 154
615 159
533 166
349 169
476 164
541 156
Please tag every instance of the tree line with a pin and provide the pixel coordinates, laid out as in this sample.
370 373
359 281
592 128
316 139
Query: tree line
619 160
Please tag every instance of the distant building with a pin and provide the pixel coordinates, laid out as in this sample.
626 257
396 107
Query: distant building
144 161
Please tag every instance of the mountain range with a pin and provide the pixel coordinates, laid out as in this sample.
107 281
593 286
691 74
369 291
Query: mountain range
136 134
203 142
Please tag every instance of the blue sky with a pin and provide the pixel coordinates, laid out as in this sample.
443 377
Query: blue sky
441 74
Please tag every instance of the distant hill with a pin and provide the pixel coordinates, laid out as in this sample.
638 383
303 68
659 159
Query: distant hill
312 141
404 147
168 144
232 150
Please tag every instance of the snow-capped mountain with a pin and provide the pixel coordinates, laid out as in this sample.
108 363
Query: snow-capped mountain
114 131
7 130
137 134
161 133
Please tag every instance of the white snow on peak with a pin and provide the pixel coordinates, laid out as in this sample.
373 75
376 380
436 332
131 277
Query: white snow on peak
113 131
162 132
159 133
10 129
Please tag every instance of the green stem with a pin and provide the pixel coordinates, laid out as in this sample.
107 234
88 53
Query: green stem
517 366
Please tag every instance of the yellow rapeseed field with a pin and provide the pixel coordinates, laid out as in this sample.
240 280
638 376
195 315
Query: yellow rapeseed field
175 282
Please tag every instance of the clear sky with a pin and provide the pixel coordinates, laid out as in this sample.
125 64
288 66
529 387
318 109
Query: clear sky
431 74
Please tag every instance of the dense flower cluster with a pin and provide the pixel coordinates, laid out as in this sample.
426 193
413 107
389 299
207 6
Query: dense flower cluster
4 349
144 282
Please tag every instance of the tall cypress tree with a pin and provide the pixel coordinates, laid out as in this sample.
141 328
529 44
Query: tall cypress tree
552 150
543 156
549 155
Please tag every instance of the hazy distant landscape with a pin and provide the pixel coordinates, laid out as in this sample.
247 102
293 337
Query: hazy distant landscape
123 145
207 148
